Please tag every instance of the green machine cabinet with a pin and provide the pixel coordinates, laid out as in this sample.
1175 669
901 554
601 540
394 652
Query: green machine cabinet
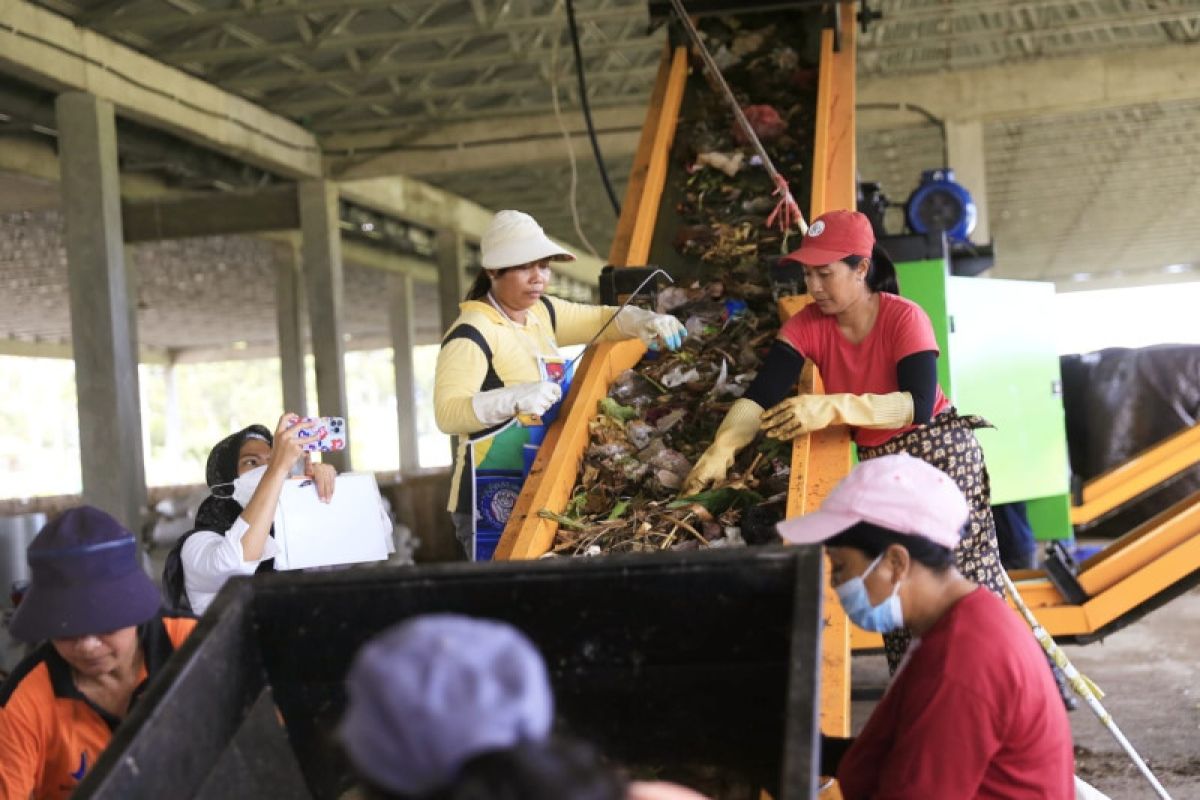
999 361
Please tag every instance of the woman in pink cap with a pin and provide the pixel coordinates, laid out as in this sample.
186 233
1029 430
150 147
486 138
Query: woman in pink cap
878 359
972 711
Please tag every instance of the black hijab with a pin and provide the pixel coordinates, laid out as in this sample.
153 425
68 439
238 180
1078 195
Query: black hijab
217 513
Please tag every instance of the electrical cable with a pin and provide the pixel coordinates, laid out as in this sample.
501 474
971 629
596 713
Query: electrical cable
587 109
573 195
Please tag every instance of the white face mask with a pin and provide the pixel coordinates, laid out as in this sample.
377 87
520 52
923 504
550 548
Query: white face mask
244 486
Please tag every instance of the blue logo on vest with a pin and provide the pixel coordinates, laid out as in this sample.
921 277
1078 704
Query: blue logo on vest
78 774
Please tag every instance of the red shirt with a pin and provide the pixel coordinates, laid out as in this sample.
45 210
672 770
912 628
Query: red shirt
901 328
973 713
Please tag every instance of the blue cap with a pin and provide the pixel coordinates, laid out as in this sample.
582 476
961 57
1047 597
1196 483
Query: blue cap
86 579
428 695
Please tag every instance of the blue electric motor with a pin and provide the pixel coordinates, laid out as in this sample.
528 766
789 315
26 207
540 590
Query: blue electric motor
941 204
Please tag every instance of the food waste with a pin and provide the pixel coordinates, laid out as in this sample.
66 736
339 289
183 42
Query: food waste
659 417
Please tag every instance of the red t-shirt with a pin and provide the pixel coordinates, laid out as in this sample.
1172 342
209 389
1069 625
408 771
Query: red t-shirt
974 713
869 367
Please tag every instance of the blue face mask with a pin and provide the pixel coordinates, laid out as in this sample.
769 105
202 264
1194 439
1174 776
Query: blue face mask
883 618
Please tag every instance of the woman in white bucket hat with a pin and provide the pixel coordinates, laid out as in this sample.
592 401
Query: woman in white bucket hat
499 364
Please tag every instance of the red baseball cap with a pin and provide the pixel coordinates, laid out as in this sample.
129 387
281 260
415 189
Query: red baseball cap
833 236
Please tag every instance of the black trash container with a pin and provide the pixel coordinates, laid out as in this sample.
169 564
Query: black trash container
668 663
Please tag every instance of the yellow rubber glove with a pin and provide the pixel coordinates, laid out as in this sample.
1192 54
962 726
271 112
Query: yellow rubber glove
737 430
812 412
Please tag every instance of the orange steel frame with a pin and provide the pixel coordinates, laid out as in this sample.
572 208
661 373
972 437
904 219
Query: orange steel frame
1135 568
1139 474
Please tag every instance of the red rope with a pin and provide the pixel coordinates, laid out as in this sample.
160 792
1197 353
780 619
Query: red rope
786 211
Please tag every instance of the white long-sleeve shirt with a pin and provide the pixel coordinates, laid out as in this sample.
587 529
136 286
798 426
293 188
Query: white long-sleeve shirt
209 559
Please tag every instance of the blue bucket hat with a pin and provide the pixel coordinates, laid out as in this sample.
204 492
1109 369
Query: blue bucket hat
85 579
428 695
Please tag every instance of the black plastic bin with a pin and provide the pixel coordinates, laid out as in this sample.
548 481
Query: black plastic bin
665 662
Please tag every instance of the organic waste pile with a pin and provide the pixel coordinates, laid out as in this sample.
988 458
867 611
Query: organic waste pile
659 417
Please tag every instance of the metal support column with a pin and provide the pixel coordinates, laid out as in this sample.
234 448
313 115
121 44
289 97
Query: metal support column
404 338
103 328
322 257
289 317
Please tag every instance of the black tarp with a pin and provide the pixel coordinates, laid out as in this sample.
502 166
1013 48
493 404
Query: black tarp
1121 401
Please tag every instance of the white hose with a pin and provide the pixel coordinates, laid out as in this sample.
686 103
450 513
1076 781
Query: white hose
1081 686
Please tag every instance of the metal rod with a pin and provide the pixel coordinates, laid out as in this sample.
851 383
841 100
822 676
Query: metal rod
1081 686
611 319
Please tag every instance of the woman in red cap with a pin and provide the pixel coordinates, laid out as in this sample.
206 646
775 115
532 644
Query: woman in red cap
878 359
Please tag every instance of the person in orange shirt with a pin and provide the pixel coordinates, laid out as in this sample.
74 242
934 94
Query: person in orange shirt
104 638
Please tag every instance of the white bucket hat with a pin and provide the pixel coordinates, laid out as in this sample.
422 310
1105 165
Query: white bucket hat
515 238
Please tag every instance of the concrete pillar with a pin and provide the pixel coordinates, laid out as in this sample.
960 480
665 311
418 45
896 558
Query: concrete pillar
321 254
964 146
103 330
452 277
404 338
289 317
173 440
452 285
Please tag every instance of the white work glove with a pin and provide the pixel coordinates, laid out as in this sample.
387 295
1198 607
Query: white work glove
656 330
501 405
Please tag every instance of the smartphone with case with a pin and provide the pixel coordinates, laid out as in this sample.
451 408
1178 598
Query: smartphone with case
323 434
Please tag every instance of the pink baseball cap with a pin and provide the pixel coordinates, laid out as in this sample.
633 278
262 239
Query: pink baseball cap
898 492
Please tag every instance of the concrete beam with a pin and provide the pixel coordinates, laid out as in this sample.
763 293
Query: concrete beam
50 51
103 326
407 199
417 202
1040 88
322 257
225 214
424 160
40 349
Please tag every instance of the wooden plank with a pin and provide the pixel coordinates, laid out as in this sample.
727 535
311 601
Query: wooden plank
656 175
827 459
651 150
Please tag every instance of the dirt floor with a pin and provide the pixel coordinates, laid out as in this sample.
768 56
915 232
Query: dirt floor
1150 672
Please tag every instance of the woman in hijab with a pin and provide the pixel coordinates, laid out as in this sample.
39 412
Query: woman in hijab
233 533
